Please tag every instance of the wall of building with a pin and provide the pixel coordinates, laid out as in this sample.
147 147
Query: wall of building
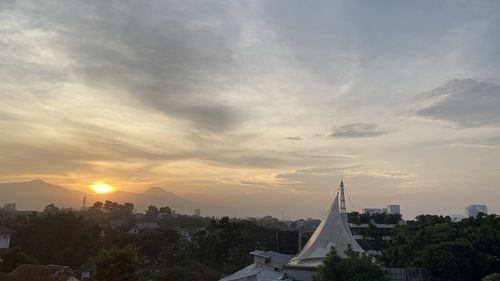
300 275
4 241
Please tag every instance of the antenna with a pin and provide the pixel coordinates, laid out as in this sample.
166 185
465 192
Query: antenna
343 211
84 205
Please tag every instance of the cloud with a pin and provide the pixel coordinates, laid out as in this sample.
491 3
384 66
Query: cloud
464 102
357 130
175 58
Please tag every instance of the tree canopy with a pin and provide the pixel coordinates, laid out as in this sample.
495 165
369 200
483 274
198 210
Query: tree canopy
354 267
466 250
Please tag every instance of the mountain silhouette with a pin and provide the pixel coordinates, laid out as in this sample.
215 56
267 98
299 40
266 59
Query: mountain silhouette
36 194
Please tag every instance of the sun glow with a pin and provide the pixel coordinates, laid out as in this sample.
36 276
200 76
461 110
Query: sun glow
101 188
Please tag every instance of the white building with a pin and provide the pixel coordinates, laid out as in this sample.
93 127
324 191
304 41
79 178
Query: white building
267 266
393 209
197 212
5 237
333 231
474 210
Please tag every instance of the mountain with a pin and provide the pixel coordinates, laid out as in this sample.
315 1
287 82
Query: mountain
36 194
156 196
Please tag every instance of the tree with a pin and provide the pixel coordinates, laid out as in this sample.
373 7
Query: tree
62 238
492 277
97 207
355 267
115 264
51 209
466 250
165 212
151 214
176 274
14 258
224 244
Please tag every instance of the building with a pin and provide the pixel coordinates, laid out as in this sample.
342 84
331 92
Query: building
197 212
457 218
9 206
287 242
333 231
394 209
267 266
474 210
390 209
372 236
5 234
374 211
144 227
28 272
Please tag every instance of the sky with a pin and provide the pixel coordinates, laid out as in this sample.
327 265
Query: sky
256 106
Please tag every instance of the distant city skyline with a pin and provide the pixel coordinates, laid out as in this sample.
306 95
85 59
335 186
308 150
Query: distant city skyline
257 106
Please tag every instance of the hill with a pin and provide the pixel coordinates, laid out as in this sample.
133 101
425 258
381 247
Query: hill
36 194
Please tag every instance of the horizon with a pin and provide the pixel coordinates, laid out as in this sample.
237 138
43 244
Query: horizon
256 107
212 212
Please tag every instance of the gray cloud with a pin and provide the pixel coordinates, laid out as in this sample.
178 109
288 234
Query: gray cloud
464 102
357 130
169 56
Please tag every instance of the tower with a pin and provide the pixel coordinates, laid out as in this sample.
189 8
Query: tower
343 211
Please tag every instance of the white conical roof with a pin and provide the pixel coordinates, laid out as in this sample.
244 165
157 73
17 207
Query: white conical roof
332 232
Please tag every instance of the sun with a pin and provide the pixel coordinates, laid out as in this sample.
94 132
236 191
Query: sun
101 188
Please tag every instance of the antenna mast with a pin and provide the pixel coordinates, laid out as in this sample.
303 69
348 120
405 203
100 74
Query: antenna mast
343 210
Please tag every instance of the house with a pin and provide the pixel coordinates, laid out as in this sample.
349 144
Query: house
143 227
266 266
28 272
86 271
117 224
5 237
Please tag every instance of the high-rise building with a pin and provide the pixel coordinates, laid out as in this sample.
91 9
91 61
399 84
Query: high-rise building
474 210
197 212
393 209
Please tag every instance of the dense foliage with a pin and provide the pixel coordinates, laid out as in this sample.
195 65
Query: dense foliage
466 250
59 238
180 248
224 244
193 247
115 264
492 277
176 274
354 267
383 218
14 258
